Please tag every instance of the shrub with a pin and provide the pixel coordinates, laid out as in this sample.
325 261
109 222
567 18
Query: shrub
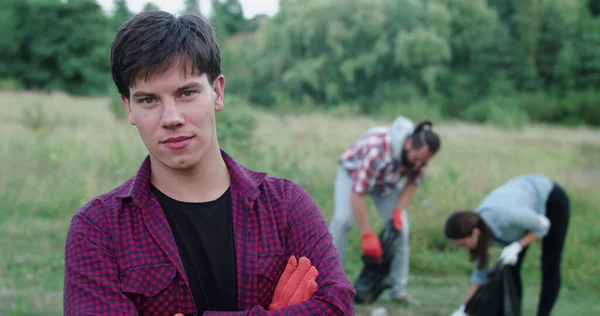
235 127
116 107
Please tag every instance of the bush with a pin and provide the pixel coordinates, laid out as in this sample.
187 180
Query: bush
541 107
508 116
235 127
500 111
582 107
116 107
416 109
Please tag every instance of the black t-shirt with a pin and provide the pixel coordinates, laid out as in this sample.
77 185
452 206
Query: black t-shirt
204 236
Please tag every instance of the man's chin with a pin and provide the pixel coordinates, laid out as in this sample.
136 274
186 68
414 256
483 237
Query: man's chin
182 164
176 162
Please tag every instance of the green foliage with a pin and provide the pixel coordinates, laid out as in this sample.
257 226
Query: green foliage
150 6
227 18
416 109
116 106
541 107
594 7
120 15
318 54
506 115
191 6
235 127
70 55
79 162
500 111
582 107
35 118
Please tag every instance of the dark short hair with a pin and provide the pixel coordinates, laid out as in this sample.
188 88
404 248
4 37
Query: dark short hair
149 42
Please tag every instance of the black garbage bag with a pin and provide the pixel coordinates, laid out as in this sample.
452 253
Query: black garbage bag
498 295
373 278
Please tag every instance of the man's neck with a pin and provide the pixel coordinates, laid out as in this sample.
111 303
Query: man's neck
205 182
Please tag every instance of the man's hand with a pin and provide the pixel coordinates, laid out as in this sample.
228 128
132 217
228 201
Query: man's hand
296 284
371 245
510 253
397 218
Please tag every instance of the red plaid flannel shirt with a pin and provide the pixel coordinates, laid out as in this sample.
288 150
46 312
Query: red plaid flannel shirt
372 166
121 257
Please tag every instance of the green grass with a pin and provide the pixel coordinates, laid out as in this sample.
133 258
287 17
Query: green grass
74 149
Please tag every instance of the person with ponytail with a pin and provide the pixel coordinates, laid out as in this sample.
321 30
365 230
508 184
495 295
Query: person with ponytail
375 165
524 209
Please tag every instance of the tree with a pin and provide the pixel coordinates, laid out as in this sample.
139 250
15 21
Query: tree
71 55
120 15
149 6
594 7
8 47
227 17
191 6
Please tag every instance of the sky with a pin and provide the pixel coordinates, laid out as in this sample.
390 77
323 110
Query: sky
250 7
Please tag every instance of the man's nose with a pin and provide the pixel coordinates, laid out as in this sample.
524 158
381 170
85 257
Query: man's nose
171 115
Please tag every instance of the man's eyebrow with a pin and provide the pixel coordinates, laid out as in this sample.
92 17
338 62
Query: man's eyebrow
140 94
191 85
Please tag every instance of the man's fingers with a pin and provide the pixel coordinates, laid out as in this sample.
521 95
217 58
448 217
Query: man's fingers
309 284
294 281
289 270
312 273
300 292
311 288
301 270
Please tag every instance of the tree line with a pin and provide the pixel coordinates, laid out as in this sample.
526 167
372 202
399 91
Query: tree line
479 60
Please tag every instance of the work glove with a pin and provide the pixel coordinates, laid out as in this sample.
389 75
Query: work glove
297 284
460 311
510 253
397 218
371 245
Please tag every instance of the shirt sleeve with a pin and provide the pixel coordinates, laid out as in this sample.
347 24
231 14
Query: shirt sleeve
530 221
91 285
370 164
309 236
478 276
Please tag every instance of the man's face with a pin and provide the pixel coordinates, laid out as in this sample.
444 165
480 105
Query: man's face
417 157
174 113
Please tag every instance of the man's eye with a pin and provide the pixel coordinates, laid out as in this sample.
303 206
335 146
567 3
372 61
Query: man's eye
188 93
148 100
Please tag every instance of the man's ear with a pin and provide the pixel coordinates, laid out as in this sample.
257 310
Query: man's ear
127 105
408 143
218 87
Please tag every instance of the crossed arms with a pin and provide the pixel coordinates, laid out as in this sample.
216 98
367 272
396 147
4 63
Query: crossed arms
93 286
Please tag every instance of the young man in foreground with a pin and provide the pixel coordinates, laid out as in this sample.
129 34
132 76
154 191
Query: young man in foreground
194 232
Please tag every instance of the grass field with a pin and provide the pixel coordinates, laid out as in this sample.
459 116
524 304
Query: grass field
54 160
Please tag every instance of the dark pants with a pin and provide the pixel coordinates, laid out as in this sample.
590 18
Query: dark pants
558 212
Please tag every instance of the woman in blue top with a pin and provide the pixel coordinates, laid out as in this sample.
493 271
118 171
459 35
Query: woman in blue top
524 209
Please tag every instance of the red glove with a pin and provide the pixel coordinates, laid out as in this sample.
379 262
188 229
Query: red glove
296 284
397 218
371 245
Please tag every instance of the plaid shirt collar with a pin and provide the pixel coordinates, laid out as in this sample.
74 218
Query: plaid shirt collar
243 180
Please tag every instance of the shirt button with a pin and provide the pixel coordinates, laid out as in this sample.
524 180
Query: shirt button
184 286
